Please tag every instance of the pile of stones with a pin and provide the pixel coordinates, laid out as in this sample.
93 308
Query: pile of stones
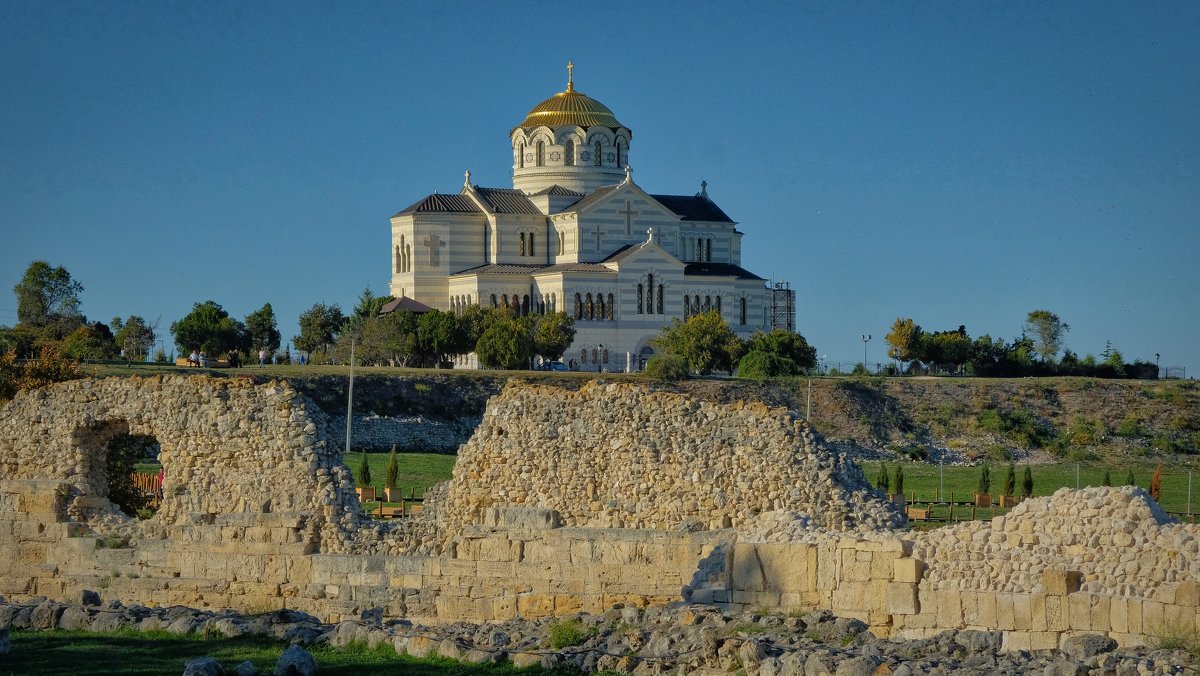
1119 538
616 455
689 639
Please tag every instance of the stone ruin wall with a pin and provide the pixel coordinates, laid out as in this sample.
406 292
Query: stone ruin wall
618 456
1094 561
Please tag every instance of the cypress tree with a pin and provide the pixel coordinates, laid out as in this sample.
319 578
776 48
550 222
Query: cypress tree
1107 481
1010 481
985 480
1027 482
364 472
898 482
883 481
392 473
1129 479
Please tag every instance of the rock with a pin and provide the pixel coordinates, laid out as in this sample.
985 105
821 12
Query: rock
526 660
862 665
295 661
5 642
421 647
1087 646
372 615
819 663
1065 667
203 666
449 649
244 669
88 597
45 615
477 656
74 618
978 641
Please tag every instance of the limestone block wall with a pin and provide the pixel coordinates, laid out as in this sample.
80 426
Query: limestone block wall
619 455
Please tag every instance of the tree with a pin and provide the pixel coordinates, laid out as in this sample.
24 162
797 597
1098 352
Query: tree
1046 330
364 471
904 340
208 328
134 337
1027 483
319 325
553 334
985 480
787 344
91 342
1129 479
1010 481
48 367
704 340
883 481
392 473
898 481
951 348
667 367
438 334
504 344
261 331
47 295
1156 483
1107 480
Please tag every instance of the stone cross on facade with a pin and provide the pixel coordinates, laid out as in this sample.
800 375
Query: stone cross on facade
597 232
433 242
629 214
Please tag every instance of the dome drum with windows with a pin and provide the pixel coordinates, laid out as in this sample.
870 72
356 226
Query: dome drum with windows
570 140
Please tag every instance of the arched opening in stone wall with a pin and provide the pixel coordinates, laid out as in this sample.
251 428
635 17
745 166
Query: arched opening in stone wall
109 454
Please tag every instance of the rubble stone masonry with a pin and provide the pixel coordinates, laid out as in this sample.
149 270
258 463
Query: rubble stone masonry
562 502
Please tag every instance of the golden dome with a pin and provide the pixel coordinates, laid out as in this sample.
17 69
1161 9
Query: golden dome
570 107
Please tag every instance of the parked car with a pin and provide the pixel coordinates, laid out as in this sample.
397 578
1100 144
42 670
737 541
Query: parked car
556 366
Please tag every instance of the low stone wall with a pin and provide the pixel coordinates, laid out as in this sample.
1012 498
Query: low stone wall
618 455
379 433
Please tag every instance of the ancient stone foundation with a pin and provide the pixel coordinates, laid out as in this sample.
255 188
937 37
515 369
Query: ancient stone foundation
259 514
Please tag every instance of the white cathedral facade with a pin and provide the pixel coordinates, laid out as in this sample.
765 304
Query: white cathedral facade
576 234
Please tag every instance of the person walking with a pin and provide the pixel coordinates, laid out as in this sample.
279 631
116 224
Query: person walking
262 357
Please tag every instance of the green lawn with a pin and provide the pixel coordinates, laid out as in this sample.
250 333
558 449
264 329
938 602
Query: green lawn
418 471
153 653
961 482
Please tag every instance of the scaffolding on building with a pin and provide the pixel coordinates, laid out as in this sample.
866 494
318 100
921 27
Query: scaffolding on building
783 307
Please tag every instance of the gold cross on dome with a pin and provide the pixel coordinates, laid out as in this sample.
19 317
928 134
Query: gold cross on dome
570 76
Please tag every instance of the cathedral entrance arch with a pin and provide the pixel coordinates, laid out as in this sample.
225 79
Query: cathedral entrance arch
644 355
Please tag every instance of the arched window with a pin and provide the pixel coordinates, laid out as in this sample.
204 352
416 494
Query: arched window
521 155
504 300
687 306
708 250
640 292
718 304
699 249
598 158
604 355
579 307
583 356
595 356
707 303
569 153
589 310
696 305
560 242
619 152
522 244
541 153
525 304
531 251
610 306
399 262
600 306
650 294
494 304
408 258
554 302
660 299
742 312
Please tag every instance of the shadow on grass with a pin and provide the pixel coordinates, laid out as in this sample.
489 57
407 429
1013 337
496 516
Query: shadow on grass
75 652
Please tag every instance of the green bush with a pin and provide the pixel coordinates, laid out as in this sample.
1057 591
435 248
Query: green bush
898 481
759 365
882 481
1027 482
669 367
567 633
985 480
392 473
1130 427
1010 480
364 472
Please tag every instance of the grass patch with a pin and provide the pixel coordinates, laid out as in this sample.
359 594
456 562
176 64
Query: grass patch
568 633
1174 636
961 482
158 652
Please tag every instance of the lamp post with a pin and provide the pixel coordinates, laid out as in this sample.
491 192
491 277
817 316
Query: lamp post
866 338
1157 369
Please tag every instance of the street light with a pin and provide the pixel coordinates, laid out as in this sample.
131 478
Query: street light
866 338
1157 369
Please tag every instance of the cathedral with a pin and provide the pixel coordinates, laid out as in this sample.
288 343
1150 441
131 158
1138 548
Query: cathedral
576 234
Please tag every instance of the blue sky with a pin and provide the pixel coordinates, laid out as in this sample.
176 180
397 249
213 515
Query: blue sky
959 163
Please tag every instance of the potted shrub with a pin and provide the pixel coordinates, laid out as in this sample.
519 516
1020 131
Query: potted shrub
366 492
983 493
391 476
1008 495
898 486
